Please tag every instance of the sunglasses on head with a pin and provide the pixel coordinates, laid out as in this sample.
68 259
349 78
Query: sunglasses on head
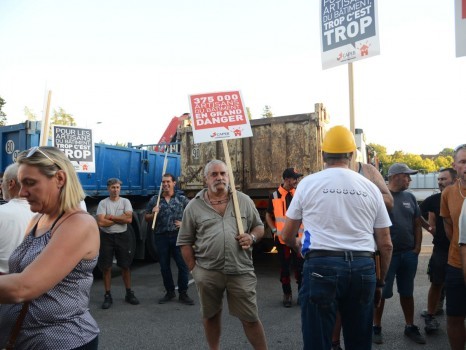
460 147
35 149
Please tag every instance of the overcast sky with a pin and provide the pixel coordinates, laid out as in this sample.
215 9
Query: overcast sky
132 64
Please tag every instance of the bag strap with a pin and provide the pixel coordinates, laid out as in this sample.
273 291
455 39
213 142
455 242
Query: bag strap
19 322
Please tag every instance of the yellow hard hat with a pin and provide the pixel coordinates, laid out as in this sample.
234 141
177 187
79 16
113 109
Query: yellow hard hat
339 140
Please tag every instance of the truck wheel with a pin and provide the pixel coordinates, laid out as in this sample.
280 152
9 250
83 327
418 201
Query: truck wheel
151 251
132 241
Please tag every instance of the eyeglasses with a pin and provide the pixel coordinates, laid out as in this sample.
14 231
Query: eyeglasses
34 149
459 147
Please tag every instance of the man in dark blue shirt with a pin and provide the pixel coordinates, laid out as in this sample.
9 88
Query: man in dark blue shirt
169 213
406 234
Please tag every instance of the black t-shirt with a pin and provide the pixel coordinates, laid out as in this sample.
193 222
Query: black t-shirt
432 204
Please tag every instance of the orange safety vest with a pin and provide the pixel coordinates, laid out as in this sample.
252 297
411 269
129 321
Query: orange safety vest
279 211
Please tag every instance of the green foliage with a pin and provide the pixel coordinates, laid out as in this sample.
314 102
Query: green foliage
29 114
2 114
60 117
381 150
424 164
249 114
267 113
443 162
446 152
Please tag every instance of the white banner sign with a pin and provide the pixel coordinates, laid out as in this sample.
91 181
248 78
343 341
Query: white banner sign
219 116
349 31
77 144
460 27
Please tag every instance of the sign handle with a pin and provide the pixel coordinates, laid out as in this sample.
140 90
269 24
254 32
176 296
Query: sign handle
160 189
351 96
239 223
45 122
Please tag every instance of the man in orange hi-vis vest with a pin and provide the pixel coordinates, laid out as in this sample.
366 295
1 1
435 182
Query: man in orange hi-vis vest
279 202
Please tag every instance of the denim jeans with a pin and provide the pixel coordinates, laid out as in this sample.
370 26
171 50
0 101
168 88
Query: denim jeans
403 267
166 248
337 283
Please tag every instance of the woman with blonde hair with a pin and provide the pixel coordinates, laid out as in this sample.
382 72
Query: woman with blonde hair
45 297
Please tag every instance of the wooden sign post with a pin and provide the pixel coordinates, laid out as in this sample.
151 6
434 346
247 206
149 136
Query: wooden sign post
164 169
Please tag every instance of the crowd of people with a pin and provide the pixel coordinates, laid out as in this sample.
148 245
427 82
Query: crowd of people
344 234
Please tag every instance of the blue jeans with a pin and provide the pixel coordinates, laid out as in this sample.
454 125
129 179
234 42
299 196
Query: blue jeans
403 267
336 283
166 248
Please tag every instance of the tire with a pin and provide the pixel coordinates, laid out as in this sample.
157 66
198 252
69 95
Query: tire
132 241
151 251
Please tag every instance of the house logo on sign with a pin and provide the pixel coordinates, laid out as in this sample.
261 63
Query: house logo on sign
238 132
364 49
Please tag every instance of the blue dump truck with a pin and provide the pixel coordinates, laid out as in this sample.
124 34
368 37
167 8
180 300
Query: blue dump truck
138 167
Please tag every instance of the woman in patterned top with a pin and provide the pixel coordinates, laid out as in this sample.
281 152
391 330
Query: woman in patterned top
51 271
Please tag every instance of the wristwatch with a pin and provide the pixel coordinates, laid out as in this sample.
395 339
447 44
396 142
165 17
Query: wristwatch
274 230
254 238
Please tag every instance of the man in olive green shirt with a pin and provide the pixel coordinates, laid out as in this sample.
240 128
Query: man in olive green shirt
220 258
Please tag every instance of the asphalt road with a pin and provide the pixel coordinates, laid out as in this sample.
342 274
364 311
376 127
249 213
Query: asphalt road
175 326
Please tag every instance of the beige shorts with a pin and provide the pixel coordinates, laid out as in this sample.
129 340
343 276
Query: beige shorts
241 293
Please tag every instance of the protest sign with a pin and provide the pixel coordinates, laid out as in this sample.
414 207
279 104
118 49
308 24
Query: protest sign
77 144
349 31
460 27
219 116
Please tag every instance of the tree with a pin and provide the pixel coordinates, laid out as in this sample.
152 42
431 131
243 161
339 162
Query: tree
443 162
29 114
249 114
2 114
446 152
267 113
60 117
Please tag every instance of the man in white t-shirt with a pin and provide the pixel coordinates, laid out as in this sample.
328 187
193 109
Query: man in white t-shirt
14 216
344 216
113 216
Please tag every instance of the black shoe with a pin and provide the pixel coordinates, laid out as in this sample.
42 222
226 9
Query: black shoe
185 299
131 298
167 297
432 325
377 337
412 332
108 301
438 312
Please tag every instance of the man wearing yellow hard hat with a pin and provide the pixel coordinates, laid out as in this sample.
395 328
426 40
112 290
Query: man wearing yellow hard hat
344 217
